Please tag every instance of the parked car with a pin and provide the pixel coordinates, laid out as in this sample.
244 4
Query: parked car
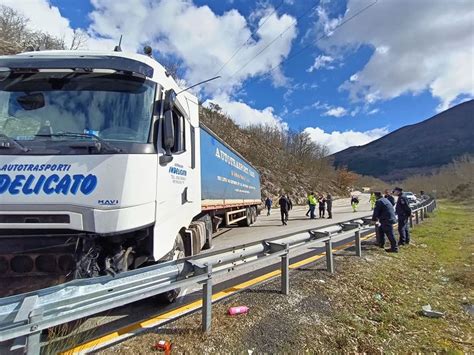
411 197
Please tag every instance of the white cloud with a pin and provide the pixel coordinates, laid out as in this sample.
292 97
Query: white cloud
321 62
43 17
418 46
200 38
245 115
336 112
337 141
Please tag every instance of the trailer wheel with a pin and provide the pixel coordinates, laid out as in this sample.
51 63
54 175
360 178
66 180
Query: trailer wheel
253 211
177 253
248 219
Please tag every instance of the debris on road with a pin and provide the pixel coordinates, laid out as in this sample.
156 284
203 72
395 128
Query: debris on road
164 345
428 312
238 310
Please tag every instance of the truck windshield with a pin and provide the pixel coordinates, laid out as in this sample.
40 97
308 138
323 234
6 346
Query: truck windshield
45 105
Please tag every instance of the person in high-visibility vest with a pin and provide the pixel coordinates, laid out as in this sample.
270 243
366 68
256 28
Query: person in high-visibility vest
312 204
373 199
354 203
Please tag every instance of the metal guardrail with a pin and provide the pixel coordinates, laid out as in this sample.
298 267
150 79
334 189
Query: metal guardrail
24 316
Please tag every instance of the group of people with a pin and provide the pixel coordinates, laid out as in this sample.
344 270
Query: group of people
286 205
387 213
324 204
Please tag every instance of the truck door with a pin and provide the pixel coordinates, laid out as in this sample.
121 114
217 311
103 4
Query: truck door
178 194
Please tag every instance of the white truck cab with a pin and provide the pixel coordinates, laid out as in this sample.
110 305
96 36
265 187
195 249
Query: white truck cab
99 163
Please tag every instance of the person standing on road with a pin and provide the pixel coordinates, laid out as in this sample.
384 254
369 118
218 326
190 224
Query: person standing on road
290 206
384 216
372 201
268 205
403 211
312 205
389 197
354 203
329 205
284 208
322 206
309 205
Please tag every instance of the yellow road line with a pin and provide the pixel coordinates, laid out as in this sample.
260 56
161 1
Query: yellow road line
156 320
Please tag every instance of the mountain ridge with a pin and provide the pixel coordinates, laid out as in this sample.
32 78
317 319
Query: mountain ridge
437 140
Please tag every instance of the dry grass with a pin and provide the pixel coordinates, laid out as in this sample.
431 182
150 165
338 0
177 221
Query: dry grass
370 305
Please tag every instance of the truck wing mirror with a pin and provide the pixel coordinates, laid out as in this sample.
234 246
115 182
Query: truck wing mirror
168 136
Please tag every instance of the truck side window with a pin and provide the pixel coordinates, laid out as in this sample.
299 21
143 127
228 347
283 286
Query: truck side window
179 133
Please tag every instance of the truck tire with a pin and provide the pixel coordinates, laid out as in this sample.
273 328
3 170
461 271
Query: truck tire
253 211
248 219
177 253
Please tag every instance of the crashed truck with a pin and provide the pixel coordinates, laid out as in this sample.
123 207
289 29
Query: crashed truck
105 167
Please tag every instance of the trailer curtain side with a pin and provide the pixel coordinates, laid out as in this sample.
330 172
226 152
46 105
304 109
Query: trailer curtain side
227 179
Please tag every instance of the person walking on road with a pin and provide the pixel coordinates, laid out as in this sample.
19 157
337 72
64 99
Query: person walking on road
384 216
268 205
322 206
284 208
372 201
312 205
329 205
403 211
389 197
354 203
309 205
290 206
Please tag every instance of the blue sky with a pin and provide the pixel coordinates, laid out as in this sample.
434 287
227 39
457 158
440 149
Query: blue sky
397 63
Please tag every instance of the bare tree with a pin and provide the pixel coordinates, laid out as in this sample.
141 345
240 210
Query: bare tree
79 40
16 36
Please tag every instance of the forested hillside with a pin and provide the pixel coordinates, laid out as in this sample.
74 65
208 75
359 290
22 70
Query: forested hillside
288 161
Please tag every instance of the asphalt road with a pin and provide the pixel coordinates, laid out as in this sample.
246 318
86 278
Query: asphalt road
271 226
266 227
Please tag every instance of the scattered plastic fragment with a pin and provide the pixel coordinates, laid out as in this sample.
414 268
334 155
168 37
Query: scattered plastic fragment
378 297
428 312
164 345
238 310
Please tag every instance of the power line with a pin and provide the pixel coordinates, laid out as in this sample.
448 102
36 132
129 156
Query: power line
321 37
252 33
274 40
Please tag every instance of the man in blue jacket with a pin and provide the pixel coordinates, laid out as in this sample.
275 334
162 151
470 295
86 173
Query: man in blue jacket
384 215
403 211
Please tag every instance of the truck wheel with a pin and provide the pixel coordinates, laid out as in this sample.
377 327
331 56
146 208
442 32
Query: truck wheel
248 219
253 211
177 253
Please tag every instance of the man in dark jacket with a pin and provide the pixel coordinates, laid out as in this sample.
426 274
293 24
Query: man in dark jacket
329 205
268 205
389 197
284 208
403 211
290 205
322 206
384 215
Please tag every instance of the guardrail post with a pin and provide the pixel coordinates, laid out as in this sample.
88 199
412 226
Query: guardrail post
329 256
422 214
358 244
207 301
33 345
411 221
285 272
417 217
